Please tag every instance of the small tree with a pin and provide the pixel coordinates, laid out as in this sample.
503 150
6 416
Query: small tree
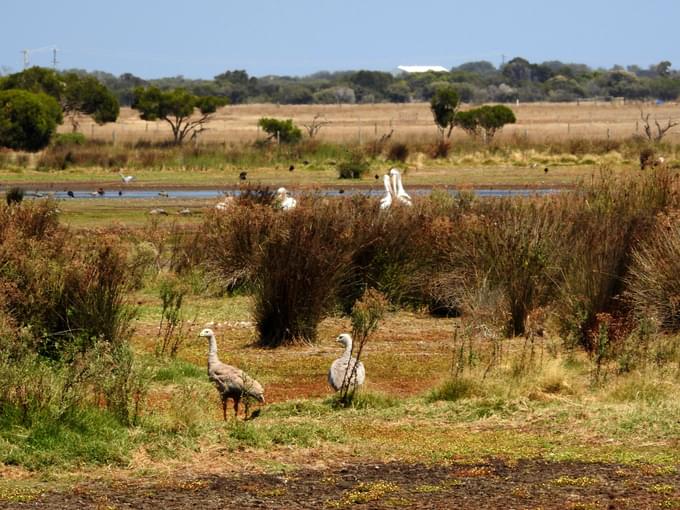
444 104
366 314
315 125
493 118
468 121
660 130
486 120
86 95
76 94
171 331
284 131
176 107
27 120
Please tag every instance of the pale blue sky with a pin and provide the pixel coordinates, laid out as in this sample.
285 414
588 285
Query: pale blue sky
202 38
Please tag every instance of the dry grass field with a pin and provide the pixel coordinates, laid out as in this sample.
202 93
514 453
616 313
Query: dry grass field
410 122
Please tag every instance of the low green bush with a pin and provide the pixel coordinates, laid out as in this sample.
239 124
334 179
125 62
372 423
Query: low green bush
354 166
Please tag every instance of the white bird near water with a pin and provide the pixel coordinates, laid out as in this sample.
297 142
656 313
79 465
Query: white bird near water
386 201
284 200
127 179
232 383
345 365
394 191
225 204
403 197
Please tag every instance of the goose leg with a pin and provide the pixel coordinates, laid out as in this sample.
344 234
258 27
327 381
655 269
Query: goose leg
224 408
236 401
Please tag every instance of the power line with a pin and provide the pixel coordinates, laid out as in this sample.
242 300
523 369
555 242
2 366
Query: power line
27 54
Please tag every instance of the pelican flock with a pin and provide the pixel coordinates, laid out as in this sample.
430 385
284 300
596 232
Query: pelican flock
394 191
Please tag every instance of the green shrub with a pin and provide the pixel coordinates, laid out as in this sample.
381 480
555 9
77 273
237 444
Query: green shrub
77 285
27 120
61 139
283 131
487 120
171 329
398 152
454 389
354 166
14 195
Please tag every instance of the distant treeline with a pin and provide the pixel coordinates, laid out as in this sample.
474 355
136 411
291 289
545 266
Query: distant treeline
476 82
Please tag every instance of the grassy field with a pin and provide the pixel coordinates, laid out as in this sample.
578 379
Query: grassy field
552 427
410 121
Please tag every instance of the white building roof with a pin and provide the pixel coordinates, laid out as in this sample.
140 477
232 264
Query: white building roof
422 69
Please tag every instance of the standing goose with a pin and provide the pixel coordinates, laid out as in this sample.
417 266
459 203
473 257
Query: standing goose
232 383
344 364
403 197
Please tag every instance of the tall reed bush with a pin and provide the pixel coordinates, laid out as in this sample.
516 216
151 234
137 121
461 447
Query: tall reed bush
607 219
302 262
653 282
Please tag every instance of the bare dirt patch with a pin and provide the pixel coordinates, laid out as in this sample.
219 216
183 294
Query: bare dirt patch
493 484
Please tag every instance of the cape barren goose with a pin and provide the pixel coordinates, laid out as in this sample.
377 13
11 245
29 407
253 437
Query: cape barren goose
232 383
345 365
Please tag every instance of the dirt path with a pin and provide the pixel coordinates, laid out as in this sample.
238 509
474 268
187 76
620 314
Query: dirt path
495 484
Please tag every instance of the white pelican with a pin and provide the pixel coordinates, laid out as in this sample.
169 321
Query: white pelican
225 204
402 196
386 201
285 201
127 179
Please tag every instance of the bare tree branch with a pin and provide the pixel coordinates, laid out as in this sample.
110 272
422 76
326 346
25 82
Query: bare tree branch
315 125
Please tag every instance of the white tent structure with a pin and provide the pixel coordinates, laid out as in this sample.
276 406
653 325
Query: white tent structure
422 69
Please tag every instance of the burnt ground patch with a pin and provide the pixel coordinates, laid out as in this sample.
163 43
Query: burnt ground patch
493 484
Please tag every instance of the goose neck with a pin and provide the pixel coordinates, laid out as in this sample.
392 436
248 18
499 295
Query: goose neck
212 349
348 350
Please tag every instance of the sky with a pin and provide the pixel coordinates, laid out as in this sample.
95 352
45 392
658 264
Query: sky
202 38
